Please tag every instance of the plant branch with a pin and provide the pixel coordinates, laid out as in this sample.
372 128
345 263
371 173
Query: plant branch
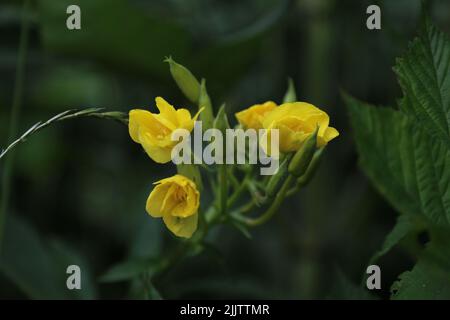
252 222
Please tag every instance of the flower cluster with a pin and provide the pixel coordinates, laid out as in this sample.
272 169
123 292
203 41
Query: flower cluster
303 131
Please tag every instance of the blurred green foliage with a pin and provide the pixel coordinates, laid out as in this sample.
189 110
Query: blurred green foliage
79 188
406 154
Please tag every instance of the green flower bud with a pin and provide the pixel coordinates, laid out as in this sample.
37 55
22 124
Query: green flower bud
185 80
312 168
221 120
274 183
206 116
302 158
290 95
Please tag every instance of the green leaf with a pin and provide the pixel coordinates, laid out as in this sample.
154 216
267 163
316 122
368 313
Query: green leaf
344 289
29 262
424 75
406 154
65 255
407 166
127 270
401 229
429 279
102 34
147 238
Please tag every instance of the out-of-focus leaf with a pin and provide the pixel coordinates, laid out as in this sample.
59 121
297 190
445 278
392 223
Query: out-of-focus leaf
344 289
127 270
258 26
143 289
29 263
401 229
65 256
223 287
429 279
406 154
147 238
114 31
73 87
140 44
241 228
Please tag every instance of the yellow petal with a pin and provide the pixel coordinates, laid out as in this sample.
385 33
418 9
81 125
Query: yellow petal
138 118
181 227
166 110
169 202
329 134
157 153
302 110
184 119
198 114
189 205
253 116
155 200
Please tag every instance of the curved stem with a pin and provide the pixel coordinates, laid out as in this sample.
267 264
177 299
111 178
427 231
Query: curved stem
246 207
66 115
270 212
240 190
182 249
15 113
300 183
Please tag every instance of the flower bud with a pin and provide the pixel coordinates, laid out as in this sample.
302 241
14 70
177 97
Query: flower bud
275 180
312 168
185 80
302 158
221 120
290 95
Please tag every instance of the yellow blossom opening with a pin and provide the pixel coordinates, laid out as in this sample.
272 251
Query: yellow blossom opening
176 200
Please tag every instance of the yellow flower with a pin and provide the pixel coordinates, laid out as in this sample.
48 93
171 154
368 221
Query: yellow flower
153 131
252 117
176 200
296 121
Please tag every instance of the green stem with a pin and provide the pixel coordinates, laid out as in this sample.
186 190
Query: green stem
270 212
240 190
15 114
233 179
223 189
246 207
180 252
300 183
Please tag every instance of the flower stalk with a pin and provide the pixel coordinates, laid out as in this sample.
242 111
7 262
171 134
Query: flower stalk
272 210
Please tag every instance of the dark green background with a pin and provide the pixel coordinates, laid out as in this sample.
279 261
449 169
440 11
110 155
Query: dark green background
79 188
